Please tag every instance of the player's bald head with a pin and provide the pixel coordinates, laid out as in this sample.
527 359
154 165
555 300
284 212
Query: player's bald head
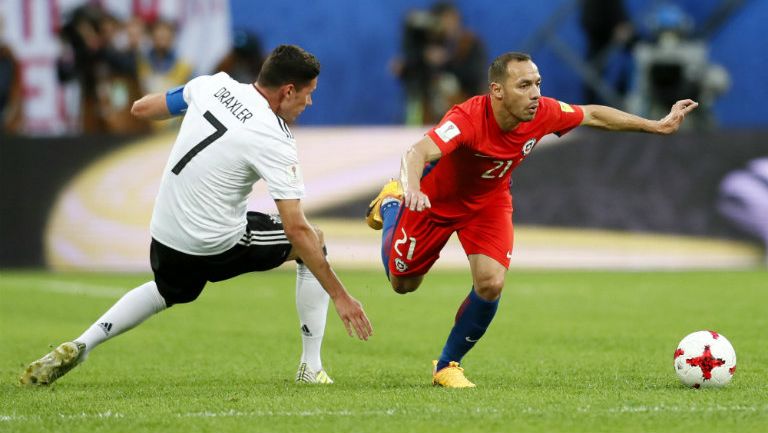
288 64
497 72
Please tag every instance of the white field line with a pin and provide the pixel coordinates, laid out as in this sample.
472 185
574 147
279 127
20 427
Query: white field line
689 409
51 285
67 416
391 412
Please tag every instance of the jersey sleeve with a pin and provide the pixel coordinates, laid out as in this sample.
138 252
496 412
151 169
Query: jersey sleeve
453 130
563 117
281 171
198 83
191 86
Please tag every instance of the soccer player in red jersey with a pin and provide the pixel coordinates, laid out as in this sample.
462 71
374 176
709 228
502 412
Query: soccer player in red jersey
456 179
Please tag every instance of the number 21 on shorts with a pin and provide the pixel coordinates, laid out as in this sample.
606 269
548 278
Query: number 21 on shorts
411 247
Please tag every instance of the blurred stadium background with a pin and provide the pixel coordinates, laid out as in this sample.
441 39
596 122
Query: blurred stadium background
78 177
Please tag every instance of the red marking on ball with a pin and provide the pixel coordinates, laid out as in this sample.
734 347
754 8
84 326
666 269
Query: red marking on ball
706 362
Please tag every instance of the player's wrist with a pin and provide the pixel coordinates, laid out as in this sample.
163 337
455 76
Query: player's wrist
340 295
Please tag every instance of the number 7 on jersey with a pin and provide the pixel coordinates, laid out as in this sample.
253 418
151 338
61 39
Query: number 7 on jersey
220 130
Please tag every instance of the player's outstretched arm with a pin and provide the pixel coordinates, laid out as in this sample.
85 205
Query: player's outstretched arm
151 107
411 169
161 106
602 117
306 243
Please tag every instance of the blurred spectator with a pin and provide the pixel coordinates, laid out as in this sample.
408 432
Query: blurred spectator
608 30
744 199
243 62
118 83
160 68
675 65
100 53
412 68
459 56
11 107
80 45
443 63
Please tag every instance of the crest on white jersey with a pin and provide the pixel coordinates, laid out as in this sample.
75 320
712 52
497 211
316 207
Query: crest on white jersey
447 131
294 174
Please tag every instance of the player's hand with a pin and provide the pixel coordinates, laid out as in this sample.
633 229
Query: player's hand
672 121
416 200
351 313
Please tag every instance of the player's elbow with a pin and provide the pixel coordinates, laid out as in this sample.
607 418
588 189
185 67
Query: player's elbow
292 232
297 233
304 239
140 109
415 156
151 107
591 116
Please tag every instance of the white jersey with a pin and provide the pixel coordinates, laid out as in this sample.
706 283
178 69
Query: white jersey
229 139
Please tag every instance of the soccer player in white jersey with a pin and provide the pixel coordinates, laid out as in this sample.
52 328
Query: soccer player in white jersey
232 135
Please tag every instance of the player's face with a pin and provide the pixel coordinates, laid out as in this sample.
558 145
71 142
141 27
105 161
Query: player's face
296 100
521 90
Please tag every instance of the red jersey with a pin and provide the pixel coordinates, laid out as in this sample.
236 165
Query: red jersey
478 157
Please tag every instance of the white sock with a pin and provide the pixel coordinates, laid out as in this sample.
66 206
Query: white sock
312 305
133 308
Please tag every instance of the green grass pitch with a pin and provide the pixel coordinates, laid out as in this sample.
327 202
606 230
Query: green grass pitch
568 351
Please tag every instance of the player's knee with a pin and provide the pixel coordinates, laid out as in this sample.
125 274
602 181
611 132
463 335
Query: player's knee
177 296
403 288
490 288
404 285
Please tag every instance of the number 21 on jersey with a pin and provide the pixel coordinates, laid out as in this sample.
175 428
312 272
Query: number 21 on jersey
499 169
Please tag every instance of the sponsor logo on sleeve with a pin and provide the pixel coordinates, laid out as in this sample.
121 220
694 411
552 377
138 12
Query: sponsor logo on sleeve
447 131
565 108
294 174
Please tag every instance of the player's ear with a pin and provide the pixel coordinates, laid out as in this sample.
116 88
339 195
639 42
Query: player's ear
496 90
287 90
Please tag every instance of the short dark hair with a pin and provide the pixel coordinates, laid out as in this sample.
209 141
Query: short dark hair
497 72
288 64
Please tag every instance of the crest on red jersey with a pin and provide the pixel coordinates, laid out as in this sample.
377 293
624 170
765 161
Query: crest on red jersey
528 146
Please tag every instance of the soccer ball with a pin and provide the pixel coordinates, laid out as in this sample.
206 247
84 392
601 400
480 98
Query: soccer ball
705 359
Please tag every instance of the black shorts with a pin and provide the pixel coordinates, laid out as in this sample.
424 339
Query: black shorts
180 277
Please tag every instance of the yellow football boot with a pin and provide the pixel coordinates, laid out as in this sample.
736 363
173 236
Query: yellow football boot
373 216
307 375
450 377
52 366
